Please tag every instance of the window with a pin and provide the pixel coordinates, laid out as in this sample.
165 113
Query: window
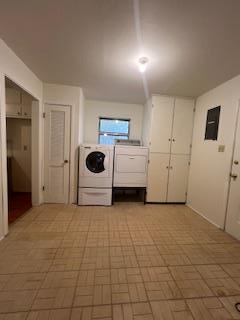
111 129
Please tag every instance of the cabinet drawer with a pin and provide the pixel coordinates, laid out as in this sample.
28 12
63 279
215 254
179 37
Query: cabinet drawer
130 163
92 196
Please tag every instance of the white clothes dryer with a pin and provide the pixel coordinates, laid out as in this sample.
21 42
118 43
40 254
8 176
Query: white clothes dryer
95 174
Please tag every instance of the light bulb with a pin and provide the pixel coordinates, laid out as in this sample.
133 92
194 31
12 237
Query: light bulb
142 64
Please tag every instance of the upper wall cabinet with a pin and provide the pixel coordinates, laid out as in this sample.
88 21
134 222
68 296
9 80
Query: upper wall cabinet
26 105
171 125
13 96
161 124
18 104
182 126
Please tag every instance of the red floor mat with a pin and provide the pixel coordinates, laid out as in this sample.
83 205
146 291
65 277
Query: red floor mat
18 204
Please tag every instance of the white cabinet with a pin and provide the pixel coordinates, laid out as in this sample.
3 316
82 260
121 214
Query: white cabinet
13 110
26 105
157 177
170 145
161 124
182 126
178 178
13 96
18 104
26 111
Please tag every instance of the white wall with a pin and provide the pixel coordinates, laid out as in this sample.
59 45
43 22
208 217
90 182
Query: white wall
209 171
19 151
81 117
96 109
12 67
69 96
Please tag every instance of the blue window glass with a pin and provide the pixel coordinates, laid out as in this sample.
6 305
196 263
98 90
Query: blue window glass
111 129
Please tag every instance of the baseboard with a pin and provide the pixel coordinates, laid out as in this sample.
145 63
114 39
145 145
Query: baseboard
152 202
203 216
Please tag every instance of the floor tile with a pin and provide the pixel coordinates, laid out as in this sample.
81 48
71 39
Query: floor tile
53 298
208 309
57 314
171 310
14 301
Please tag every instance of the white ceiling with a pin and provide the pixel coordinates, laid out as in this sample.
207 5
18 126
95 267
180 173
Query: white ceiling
193 45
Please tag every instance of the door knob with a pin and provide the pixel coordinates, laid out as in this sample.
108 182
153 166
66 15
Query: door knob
234 176
65 161
236 162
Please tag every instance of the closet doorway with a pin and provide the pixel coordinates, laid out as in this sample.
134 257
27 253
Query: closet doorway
19 153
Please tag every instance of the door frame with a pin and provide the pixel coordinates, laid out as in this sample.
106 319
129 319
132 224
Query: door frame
71 156
230 169
35 157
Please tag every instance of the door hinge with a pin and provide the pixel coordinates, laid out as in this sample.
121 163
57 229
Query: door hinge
189 162
194 109
44 115
150 143
148 161
152 105
186 194
190 146
43 188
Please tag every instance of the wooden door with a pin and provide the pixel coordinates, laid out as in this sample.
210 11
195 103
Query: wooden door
57 151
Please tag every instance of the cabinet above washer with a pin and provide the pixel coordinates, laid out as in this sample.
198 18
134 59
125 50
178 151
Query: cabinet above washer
18 104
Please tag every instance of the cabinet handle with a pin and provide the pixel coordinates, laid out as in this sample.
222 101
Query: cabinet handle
19 112
167 167
169 139
173 140
171 168
25 113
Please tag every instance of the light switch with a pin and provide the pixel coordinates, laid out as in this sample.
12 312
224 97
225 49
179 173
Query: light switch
221 148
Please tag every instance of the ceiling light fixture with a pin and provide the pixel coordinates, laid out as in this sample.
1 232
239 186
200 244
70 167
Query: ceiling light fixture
142 64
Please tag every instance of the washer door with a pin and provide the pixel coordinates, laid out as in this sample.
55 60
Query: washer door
95 162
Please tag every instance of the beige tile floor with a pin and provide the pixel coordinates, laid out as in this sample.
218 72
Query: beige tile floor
124 262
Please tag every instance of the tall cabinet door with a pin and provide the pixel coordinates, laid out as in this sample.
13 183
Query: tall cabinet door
157 177
161 126
178 178
182 126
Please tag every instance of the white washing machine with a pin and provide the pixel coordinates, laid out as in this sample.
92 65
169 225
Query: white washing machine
95 175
